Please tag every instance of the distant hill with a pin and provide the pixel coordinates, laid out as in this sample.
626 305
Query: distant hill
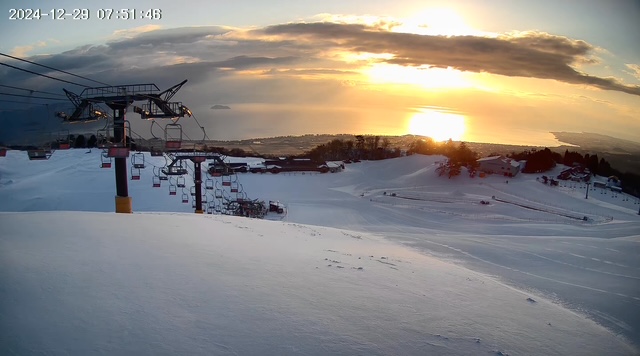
598 143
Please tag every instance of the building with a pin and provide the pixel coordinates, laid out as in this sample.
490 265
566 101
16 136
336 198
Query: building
499 165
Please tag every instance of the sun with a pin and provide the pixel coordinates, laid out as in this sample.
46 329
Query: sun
439 125
436 21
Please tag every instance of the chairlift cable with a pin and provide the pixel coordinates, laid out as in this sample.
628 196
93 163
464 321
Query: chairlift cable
31 96
44 75
31 90
59 70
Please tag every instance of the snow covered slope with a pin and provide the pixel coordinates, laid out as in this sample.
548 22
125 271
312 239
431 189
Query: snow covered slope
94 283
531 241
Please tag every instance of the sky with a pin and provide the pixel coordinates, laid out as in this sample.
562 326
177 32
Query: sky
493 71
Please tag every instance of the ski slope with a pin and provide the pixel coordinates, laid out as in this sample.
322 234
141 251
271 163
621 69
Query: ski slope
350 269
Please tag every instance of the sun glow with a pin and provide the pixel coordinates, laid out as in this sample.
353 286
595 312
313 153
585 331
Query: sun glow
439 125
437 22
428 78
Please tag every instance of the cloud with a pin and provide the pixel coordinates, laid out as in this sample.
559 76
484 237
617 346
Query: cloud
635 70
528 54
23 51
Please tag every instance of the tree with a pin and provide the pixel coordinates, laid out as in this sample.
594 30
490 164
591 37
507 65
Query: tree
80 142
92 141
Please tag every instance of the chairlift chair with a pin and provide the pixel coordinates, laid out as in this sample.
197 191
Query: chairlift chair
204 198
193 190
185 198
209 210
3 152
234 187
64 143
138 160
156 182
208 184
226 181
173 136
39 154
135 173
105 160
218 193
181 182
173 190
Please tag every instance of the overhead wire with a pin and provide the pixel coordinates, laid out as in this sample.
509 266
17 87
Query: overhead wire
31 90
58 70
43 75
32 96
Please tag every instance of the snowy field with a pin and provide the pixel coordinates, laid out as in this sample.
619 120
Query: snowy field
384 258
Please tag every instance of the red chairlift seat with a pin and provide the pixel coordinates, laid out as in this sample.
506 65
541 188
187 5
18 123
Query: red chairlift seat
64 146
226 184
156 182
173 190
135 173
185 198
3 152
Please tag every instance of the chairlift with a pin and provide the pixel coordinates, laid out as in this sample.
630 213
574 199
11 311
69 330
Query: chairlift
218 193
212 204
173 136
103 137
193 190
162 176
204 198
156 182
135 173
208 184
137 160
63 140
226 181
39 154
181 182
105 160
185 198
173 190
3 152
209 210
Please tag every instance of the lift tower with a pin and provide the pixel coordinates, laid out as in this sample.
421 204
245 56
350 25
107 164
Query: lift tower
118 98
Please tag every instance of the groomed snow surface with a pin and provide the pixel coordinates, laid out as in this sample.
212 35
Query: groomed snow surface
351 269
